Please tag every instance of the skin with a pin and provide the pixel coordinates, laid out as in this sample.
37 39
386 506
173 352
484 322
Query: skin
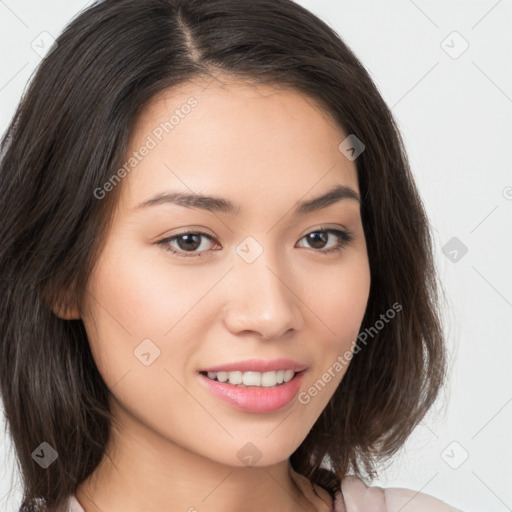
174 445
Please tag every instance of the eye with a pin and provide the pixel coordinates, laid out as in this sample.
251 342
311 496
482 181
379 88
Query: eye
320 237
187 244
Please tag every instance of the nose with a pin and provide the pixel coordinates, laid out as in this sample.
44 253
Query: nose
262 299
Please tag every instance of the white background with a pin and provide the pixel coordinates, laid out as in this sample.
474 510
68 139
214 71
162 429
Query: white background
456 118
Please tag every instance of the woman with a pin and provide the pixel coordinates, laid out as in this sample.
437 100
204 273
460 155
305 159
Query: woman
218 290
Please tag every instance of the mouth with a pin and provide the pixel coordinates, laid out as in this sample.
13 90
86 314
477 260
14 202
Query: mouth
253 391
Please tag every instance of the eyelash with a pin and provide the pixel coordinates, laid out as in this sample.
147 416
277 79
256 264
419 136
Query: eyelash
344 237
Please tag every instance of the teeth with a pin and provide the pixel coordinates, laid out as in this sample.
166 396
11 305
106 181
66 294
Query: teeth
251 379
235 377
288 375
266 379
222 376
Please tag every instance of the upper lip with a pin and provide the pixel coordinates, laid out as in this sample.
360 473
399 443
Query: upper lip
258 365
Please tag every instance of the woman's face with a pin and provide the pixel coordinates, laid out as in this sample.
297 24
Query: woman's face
259 296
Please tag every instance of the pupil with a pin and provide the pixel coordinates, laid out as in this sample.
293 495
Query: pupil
195 244
314 238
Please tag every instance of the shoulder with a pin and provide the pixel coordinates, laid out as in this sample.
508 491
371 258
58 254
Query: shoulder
356 496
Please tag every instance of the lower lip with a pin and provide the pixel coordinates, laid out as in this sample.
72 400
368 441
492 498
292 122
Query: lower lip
253 399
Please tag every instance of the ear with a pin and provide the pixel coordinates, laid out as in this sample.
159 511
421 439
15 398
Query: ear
65 306
66 311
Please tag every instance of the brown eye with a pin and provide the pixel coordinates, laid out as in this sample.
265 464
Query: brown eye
185 243
319 238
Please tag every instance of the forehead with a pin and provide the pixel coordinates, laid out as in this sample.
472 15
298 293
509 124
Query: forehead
236 139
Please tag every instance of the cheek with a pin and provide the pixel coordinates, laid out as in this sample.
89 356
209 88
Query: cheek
340 306
144 292
339 300
136 296
125 308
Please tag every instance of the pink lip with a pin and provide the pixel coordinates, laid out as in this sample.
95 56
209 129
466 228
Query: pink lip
255 399
258 365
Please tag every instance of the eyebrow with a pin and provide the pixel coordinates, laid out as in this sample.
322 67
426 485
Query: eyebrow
219 204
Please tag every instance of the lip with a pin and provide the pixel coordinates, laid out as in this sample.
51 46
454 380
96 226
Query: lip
258 365
254 399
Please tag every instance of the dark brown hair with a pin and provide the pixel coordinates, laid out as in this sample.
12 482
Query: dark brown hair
68 136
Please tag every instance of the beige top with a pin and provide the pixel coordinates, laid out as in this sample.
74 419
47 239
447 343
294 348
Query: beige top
356 496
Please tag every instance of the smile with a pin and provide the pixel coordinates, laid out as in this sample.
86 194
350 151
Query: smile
254 392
